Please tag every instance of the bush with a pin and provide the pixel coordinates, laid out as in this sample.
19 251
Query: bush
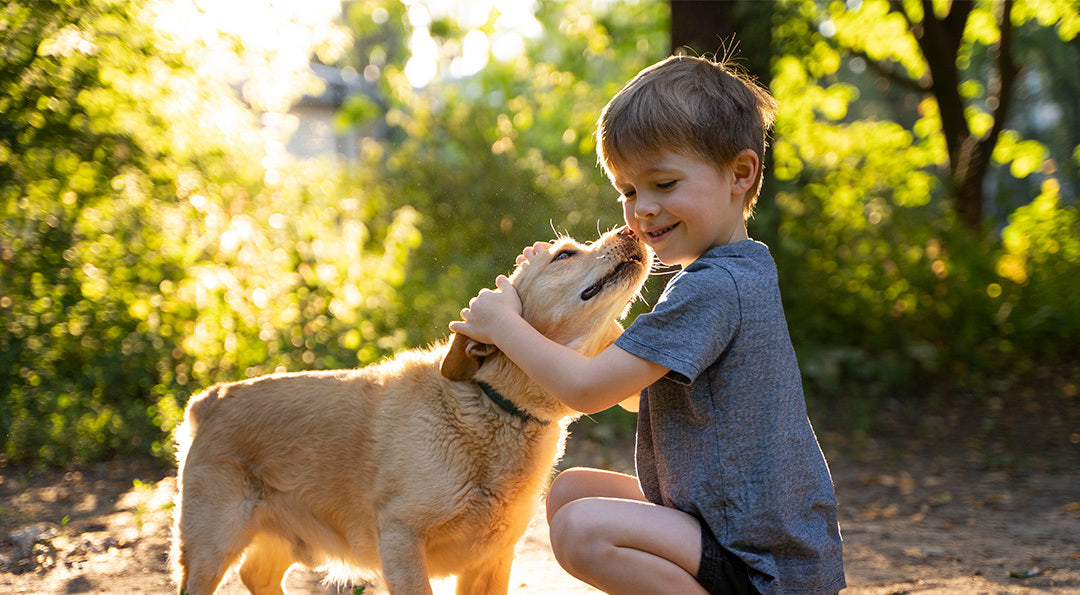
146 252
155 241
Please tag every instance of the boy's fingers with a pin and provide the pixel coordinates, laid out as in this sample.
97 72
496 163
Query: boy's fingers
531 251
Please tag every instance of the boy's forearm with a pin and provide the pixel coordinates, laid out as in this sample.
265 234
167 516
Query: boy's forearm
563 372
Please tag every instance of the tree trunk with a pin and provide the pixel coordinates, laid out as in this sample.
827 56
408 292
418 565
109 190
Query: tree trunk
727 29
740 31
969 157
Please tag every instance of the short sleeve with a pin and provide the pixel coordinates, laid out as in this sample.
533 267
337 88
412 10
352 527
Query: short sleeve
691 325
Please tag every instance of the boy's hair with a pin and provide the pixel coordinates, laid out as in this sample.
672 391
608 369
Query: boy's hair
687 105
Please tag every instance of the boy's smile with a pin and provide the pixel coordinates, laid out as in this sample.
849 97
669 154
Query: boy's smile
682 205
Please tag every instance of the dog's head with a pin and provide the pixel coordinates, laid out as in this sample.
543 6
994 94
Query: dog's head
572 293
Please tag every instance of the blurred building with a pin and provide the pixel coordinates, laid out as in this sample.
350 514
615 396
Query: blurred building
317 133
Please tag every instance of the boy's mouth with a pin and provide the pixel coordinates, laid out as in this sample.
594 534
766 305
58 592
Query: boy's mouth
656 234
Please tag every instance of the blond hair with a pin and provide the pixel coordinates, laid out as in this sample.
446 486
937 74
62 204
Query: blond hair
689 105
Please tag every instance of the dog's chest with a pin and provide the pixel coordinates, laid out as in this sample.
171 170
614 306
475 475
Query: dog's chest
485 481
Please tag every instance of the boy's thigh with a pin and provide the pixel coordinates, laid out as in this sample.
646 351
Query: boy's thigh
583 482
664 532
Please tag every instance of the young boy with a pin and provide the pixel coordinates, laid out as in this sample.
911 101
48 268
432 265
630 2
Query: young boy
732 493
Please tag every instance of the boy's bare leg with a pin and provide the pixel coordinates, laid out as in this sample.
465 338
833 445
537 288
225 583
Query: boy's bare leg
605 533
584 482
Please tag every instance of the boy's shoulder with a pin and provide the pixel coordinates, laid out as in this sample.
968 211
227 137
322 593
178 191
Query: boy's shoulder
740 275
750 251
748 261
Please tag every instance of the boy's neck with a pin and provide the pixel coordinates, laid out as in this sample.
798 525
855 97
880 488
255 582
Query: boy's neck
737 235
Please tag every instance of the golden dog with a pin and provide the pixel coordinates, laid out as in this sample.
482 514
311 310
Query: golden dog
396 465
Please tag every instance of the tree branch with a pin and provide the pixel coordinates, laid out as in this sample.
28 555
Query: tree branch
1007 74
882 69
877 66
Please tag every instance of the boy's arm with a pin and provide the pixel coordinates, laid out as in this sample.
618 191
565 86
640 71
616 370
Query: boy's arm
631 404
583 384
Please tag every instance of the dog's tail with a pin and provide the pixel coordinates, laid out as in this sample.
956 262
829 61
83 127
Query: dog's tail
200 405
198 409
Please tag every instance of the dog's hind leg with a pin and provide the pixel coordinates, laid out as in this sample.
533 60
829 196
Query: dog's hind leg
265 563
491 577
213 529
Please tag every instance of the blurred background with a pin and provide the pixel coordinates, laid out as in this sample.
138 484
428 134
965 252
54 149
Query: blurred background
196 191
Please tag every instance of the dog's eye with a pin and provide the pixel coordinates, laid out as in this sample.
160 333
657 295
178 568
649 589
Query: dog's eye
562 254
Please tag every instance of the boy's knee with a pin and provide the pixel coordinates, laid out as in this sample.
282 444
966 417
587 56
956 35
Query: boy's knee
564 489
576 538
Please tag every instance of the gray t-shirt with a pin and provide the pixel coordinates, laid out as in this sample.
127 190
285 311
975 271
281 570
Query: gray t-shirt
724 436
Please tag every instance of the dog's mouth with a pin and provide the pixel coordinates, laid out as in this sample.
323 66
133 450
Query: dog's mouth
622 270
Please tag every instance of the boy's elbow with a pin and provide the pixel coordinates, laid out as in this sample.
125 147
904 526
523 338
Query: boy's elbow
585 399
588 408
591 387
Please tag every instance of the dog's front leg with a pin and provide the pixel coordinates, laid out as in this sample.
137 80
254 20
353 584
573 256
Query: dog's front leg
491 577
404 566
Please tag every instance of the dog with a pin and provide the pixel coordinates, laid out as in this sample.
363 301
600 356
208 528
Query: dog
427 464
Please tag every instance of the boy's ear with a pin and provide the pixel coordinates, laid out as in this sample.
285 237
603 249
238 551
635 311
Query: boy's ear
744 169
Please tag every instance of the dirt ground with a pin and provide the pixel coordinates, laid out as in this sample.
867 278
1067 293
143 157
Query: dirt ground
989 507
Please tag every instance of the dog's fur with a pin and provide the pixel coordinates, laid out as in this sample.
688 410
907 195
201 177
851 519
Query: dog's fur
396 465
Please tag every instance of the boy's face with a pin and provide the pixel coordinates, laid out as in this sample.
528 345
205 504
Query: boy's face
682 205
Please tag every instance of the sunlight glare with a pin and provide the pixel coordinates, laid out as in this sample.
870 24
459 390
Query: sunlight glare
475 50
507 45
519 17
276 41
512 21
422 67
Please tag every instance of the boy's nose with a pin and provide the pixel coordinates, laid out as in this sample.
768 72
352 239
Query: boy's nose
644 208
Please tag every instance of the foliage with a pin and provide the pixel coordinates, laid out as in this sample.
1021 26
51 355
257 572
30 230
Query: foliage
886 292
155 238
505 157
146 251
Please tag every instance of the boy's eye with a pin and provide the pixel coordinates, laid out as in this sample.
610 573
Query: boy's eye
627 195
666 185
562 254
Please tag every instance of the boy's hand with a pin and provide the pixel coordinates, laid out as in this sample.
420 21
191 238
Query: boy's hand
487 310
531 251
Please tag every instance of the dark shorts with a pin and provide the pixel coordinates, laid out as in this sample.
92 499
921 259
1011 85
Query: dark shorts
720 571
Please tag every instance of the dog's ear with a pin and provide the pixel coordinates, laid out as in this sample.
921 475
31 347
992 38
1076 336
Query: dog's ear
464 357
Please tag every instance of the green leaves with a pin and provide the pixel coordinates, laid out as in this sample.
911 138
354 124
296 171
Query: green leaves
1023 156
144 254
882 284
156 238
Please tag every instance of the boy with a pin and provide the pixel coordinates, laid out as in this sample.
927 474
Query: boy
733 494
